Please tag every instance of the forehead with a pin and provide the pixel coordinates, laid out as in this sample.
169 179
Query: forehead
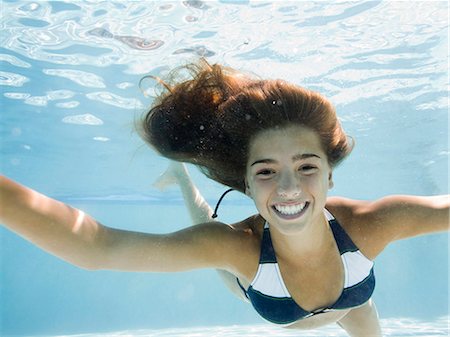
287 141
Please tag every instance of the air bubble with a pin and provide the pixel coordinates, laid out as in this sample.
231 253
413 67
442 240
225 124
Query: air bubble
101 139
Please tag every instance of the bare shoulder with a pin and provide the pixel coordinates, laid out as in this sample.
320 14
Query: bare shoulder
236 245
345 209
246 254
252 225
220 234
358 221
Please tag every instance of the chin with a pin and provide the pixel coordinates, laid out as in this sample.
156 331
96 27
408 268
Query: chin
288 227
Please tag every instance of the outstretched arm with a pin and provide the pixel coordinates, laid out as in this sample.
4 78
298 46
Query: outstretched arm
403 216
55 227
76 237
394 218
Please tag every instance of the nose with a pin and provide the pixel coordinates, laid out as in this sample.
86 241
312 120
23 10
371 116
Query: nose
288 186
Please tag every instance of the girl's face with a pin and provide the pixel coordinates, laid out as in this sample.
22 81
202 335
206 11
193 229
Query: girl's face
288 177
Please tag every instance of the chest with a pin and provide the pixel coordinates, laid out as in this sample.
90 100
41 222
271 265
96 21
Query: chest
316 283
286 288
313 283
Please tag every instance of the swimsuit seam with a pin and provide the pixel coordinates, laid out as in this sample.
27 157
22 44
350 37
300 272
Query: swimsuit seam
346 276
274 297
281 281
258 273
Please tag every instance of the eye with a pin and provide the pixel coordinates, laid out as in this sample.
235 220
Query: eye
264 173
308 169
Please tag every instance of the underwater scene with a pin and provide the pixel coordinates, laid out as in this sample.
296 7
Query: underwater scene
71 94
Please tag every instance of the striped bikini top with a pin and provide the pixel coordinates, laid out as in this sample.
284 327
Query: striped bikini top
271 299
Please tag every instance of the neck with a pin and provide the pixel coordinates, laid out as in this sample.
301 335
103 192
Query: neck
312 241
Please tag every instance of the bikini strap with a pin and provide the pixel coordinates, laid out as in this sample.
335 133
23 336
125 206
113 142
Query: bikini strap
267 254
343 240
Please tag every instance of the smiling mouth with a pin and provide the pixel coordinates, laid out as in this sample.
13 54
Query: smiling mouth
290 211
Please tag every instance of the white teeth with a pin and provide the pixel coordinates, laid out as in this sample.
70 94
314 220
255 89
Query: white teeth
290 209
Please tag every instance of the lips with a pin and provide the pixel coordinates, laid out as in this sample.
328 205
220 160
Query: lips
290 211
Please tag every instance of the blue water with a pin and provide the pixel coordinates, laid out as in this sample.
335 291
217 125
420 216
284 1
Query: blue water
392 328
68 78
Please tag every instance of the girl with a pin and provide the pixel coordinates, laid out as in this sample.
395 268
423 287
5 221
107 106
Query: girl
304 260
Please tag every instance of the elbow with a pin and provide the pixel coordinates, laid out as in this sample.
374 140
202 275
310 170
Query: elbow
94 247
88 264
90 254
98 262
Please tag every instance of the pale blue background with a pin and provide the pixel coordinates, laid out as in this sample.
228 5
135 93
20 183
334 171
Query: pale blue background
384 65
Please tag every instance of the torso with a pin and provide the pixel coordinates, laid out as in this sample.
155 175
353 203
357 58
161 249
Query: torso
312 284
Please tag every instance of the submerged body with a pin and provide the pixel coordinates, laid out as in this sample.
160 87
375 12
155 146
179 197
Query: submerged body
306 250
277 143
272 300
313 281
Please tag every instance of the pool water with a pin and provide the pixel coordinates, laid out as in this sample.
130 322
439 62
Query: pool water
391 328
69 79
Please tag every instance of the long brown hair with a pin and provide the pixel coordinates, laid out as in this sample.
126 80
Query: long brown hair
210 119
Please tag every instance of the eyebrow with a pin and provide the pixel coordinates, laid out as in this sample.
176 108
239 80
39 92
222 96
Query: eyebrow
294 158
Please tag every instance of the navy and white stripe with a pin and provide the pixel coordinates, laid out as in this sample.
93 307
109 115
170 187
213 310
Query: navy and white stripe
272 300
